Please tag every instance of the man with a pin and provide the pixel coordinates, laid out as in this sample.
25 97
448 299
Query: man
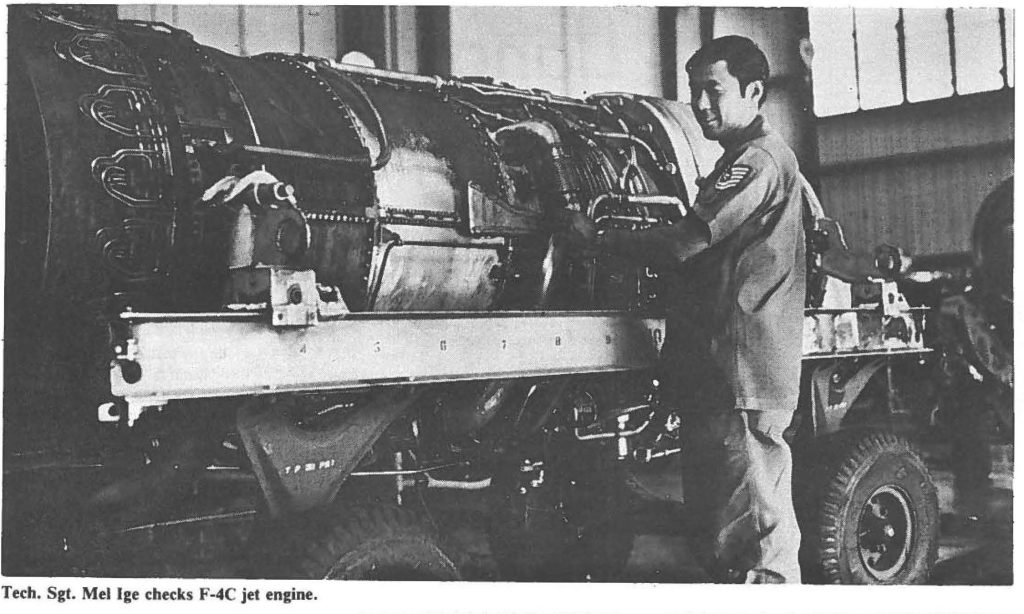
733 348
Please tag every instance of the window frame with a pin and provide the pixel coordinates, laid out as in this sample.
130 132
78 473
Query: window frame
1004 70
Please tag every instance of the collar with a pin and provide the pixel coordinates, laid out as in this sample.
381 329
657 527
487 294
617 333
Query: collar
755 129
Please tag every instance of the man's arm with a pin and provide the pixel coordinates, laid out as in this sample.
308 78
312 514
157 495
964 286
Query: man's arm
738 194
664 246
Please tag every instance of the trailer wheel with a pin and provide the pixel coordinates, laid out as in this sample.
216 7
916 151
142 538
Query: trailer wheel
574 526
871 512
378 543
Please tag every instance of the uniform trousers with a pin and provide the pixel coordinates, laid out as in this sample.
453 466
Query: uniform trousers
737 486
737 468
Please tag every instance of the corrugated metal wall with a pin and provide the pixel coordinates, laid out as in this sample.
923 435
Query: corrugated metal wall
248 29
914 175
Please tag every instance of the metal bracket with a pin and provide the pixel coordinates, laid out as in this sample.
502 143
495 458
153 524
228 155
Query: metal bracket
300 469
294 298
107 412
137 408
832 398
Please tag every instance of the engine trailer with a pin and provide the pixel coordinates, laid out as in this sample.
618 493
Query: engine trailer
283 296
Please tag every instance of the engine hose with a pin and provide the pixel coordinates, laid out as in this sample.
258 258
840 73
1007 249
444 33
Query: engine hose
483 113
630 171
385 143
634 140
458 484
313 65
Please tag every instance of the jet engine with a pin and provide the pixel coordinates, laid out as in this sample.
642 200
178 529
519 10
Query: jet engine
150 174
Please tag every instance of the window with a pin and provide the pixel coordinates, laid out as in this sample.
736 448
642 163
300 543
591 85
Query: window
926 48
872 58
835 64
878 58
979 50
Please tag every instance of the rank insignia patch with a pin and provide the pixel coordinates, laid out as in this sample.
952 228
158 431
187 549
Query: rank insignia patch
732 176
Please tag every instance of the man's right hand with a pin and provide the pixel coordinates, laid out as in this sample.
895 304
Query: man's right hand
581 232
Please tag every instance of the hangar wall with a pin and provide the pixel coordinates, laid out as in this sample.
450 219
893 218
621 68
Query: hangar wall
247 29
915 175
568 50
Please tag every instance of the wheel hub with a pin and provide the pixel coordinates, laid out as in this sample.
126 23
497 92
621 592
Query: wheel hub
885 532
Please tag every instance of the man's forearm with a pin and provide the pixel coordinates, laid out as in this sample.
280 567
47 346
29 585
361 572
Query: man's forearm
664 246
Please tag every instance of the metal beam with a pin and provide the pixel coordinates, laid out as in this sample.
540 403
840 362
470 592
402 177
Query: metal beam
668 51
206 355
434 40
362 28
707 24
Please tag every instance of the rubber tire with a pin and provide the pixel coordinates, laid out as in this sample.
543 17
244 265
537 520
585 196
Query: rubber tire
541 536
856 465
378 543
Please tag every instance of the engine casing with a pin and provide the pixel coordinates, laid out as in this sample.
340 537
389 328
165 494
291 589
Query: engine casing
410 193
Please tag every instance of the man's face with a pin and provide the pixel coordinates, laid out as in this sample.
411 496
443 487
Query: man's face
720 107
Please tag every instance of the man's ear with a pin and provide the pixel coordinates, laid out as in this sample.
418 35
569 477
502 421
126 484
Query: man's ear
755 89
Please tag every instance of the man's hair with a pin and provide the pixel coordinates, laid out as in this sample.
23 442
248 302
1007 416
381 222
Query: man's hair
743 57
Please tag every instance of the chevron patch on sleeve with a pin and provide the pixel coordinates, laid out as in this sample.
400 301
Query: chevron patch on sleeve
732 176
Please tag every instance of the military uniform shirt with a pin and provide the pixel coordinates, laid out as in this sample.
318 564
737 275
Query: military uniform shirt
740 256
